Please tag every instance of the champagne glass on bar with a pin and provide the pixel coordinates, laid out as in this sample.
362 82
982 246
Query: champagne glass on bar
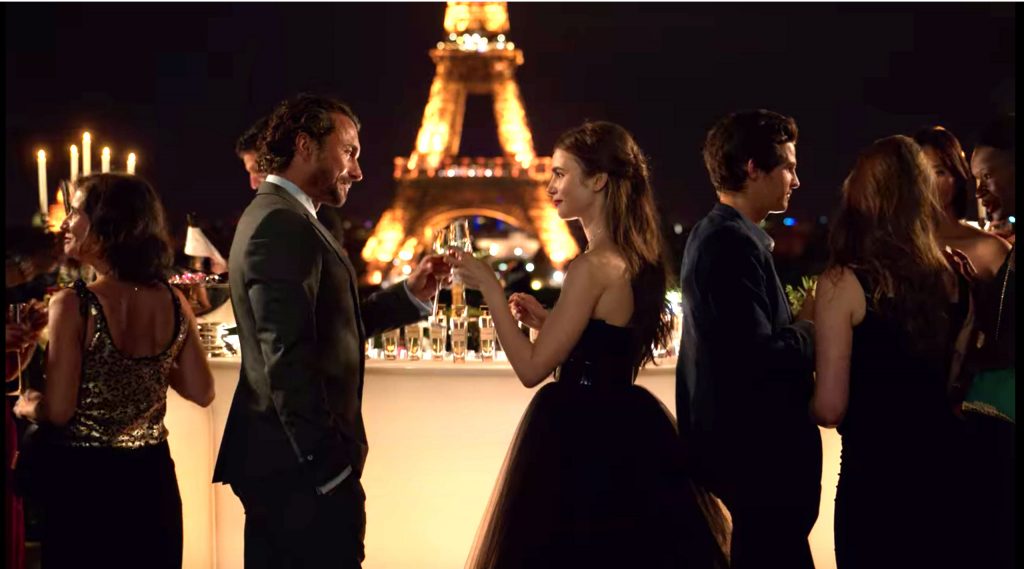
391 343
14 312
413 340
440 247
459 239
460 332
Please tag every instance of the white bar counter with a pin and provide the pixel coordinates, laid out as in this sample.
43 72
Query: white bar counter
438 435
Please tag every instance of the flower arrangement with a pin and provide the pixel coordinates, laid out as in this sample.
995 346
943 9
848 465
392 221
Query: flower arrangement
798 295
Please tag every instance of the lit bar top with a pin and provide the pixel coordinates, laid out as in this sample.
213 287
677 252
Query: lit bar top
438 435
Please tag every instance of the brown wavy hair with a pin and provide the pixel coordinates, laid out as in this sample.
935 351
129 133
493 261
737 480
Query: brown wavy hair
127 225
885 230
952 156
632 222
305 113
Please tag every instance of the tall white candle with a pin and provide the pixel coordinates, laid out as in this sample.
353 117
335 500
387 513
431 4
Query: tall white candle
74 162
105 160
41 156
131 163
86 154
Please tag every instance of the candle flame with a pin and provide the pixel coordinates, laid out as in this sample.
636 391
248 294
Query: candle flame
74 148
106 152
87 137
41 154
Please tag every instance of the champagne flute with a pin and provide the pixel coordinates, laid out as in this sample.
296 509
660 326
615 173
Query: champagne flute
459 239
14 314
440 247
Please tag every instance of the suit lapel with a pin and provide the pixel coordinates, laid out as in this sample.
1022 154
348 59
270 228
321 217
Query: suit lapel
326 237
334 245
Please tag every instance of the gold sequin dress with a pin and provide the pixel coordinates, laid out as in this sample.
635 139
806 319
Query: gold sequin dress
113 500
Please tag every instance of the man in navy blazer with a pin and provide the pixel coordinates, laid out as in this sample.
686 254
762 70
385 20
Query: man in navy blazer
745 372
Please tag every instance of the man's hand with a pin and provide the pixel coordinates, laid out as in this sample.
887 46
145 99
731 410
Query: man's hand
18 337
423 280
960 262
26 407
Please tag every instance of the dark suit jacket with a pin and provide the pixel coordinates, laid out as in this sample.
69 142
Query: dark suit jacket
297 407
744 375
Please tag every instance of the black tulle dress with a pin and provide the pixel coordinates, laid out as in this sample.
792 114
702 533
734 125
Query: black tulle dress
595 477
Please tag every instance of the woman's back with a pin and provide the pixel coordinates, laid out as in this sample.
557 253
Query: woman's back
898 389
132 340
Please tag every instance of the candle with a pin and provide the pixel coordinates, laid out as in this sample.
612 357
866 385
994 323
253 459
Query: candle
74 162
105 160
131 163
86 154
42 181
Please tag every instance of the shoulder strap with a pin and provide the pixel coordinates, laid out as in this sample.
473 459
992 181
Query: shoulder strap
83 309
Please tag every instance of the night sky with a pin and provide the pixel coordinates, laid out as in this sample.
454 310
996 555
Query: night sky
178 83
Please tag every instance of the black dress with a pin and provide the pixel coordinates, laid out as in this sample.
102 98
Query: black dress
594 476
111 498
897 503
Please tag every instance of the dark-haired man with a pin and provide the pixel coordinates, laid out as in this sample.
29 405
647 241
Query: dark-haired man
989 406
992 164
294 445
246 149
744 377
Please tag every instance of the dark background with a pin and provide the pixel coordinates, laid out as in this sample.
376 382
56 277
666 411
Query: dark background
177 83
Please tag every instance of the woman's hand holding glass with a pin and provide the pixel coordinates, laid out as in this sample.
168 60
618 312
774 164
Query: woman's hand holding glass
474 273
528 310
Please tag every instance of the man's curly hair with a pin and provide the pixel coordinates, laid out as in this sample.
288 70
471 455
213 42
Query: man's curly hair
310 114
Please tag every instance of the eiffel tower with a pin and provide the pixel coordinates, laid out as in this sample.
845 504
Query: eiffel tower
434 185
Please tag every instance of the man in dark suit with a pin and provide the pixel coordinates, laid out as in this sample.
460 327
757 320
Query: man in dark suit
246 148
294 445
744 377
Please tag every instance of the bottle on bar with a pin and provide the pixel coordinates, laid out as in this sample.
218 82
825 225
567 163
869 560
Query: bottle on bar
486 325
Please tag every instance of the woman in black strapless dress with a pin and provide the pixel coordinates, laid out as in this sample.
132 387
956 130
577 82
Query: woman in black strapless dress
595 475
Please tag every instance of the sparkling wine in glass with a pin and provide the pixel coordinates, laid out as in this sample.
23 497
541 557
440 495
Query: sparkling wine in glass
459 239
440 247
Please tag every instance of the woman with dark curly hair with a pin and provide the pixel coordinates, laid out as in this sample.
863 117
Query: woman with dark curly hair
110 498
594 476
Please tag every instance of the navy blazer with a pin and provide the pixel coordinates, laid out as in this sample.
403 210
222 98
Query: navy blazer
744 377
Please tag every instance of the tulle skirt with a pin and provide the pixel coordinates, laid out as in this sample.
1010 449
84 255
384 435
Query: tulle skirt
595 477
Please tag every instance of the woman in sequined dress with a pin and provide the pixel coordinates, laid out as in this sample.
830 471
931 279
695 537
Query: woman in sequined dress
595 476
111 496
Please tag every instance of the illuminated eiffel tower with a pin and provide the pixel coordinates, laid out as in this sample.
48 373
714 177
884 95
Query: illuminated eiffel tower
435 185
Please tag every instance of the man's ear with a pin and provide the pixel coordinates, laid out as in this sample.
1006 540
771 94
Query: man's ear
600 180
753 172
304 146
